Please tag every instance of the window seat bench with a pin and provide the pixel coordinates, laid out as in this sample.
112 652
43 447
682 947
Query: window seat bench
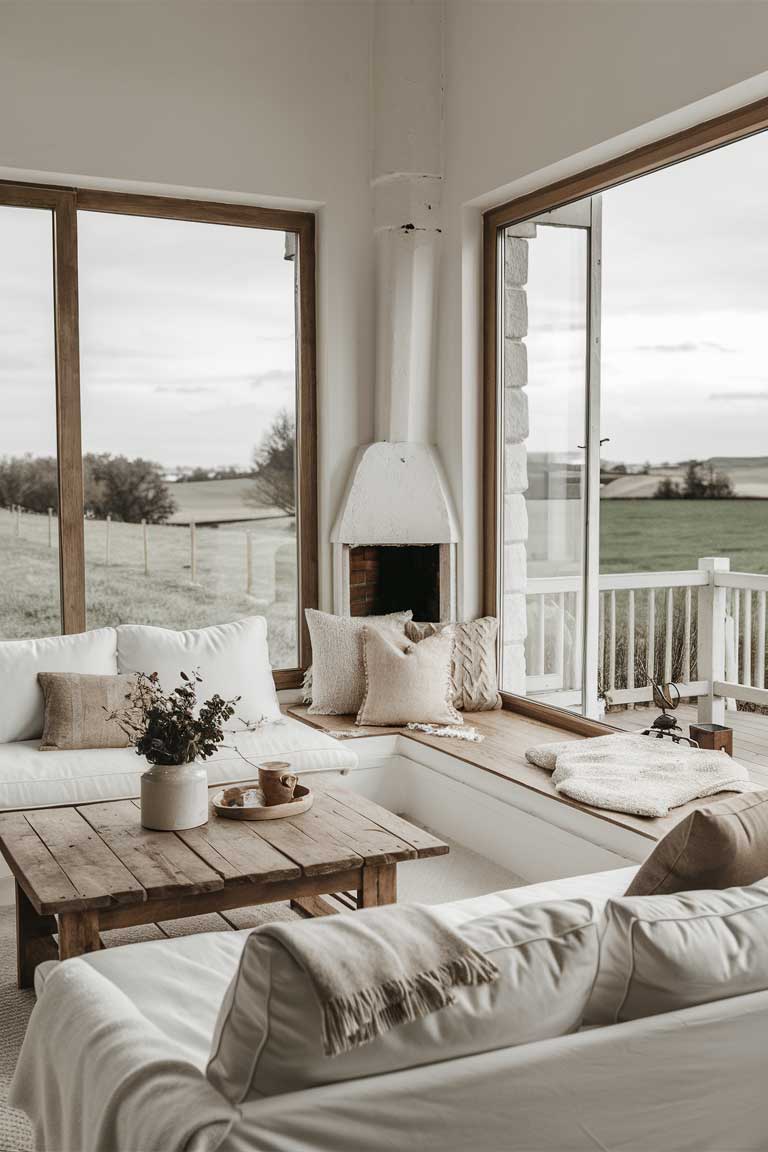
534 830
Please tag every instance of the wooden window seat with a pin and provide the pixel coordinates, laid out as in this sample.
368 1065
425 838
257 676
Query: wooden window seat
501 754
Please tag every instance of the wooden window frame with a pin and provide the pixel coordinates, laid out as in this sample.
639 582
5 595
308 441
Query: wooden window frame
64 203
695 141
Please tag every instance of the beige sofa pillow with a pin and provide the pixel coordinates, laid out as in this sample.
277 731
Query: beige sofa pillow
338 678
407 683
473 672
663 953
722 846
77 708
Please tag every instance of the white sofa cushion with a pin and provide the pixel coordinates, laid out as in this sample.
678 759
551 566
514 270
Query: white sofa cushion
30 778
269 1033
233 660
21 707
662 953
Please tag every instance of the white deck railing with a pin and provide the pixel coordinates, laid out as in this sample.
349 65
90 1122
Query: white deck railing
703 630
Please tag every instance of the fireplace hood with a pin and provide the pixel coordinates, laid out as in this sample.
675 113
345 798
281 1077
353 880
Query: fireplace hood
397 494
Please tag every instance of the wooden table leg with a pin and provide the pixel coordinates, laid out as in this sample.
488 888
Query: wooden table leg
312 906
379 886
34 939
78 933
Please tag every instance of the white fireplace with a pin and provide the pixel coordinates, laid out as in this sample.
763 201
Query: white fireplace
394 543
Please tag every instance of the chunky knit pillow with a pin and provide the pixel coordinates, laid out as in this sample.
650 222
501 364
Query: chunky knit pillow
475 683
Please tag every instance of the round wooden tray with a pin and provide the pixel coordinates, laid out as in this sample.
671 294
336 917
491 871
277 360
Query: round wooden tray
254 807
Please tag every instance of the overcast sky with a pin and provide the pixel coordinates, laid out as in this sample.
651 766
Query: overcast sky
684 316
187 330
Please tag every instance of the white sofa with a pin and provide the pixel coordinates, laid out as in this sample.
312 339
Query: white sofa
237 653
689 1079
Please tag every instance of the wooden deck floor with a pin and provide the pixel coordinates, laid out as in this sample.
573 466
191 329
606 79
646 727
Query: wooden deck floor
750 732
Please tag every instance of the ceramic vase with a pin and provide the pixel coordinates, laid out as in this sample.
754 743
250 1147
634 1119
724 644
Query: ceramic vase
174 796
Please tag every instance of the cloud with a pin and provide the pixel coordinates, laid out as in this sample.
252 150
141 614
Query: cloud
273 377
685 346
746 395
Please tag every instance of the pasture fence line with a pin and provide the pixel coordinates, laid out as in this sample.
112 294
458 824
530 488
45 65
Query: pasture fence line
267 564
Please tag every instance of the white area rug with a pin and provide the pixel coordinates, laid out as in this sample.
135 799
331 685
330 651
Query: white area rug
434 881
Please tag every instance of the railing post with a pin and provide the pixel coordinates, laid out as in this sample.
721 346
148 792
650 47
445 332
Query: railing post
711 639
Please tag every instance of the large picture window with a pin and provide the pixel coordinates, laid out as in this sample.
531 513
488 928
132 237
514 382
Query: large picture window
157 460
626 498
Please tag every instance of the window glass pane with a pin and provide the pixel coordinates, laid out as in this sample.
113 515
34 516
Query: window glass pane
29 550
544 351
189 406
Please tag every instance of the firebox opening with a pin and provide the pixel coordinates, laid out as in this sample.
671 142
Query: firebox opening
393 578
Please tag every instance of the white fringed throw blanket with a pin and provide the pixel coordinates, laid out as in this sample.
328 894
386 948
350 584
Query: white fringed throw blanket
637 774
380 968
95 1075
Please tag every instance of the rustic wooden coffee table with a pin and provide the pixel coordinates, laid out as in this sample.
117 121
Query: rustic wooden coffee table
81 870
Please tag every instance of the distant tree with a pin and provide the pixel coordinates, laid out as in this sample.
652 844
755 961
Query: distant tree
194 475
704 482
129 490
667 489
31 481
620 469
274 465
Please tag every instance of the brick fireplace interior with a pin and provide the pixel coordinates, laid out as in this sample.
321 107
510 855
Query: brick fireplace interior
393 578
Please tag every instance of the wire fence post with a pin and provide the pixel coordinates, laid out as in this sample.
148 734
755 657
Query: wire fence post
192 552
145 532
50 527
18 519
249 563
107 539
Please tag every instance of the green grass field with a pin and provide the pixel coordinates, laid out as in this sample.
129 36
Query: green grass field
671 535
122 592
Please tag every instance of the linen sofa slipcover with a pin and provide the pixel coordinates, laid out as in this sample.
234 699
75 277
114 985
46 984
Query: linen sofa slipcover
682 1080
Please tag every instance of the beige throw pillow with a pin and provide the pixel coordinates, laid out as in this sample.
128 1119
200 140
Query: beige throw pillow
407 683
338 678
474 675
722 846
77 708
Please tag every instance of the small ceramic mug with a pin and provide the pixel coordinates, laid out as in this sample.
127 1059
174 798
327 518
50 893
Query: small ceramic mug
277 782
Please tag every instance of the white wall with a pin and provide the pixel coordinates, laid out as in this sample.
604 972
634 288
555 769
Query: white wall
263 101
532 84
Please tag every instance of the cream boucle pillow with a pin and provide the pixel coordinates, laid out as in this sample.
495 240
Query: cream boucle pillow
338 678
475 680
407 683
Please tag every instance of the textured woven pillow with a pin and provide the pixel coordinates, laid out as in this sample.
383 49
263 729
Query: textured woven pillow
722 846
475 682
77 708
407 683
338 678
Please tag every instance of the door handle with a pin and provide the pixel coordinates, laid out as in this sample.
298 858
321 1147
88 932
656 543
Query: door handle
605 440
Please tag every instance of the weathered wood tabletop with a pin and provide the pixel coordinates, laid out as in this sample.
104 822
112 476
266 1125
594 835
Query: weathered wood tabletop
84 869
